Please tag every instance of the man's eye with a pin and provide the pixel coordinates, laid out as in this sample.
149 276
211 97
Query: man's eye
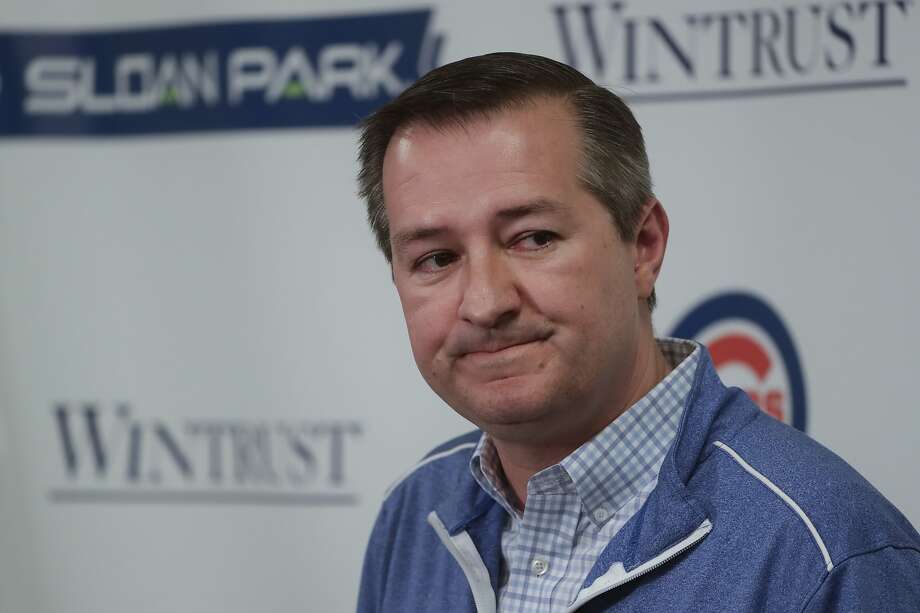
536 240
435 261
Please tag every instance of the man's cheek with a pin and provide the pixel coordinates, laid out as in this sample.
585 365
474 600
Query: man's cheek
427 335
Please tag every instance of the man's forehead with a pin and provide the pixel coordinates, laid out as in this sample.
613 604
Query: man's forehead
456 121
504 131
497 167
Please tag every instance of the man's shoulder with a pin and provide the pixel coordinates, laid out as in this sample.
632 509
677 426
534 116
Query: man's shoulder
769 463
437 473
468 441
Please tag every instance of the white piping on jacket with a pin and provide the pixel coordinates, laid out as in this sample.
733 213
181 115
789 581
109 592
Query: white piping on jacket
464 551
427 460
784 497
616 575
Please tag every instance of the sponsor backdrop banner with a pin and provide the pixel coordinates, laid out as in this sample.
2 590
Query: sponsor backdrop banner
205 383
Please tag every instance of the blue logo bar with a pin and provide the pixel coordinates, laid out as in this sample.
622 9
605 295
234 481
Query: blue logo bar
317 72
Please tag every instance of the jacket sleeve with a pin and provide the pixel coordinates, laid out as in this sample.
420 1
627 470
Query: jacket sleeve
885 579
376 566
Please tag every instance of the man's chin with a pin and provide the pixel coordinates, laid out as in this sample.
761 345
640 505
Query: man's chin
506 412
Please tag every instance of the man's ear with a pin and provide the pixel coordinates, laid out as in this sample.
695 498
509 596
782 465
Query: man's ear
650 243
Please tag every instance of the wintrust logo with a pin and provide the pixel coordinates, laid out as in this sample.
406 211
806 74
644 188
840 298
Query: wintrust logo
111 454
751 348
737 50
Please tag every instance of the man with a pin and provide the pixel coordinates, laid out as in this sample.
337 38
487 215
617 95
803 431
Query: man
610 471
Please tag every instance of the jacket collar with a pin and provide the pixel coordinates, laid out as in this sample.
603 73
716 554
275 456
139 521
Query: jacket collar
671 513
470 508
668 515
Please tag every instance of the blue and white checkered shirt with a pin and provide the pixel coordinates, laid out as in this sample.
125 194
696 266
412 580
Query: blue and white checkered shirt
574 508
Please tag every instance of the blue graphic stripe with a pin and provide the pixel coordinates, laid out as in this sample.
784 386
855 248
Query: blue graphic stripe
328 71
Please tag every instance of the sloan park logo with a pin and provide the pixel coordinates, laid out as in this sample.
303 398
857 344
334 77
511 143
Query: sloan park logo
109 454
327 71
738 50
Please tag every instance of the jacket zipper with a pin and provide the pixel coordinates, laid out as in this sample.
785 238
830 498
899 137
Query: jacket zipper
466 555
463 550
660 560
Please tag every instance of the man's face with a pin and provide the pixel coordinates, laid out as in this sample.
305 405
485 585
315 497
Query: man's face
521 301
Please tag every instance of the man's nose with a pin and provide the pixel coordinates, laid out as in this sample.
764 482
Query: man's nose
490 295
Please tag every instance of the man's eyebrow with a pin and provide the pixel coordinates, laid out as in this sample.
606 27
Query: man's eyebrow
530 208
401 240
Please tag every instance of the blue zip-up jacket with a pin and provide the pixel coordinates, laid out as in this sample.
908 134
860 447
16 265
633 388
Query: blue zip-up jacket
748 515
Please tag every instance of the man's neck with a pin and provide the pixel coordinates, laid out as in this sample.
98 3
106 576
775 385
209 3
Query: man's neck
521 460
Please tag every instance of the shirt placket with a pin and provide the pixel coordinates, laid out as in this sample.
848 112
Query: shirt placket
544 544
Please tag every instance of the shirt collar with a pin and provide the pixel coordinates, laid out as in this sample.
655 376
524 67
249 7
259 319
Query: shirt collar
487 470
611 468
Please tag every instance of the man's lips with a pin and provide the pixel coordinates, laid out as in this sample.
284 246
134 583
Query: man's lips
482 343
491 352
494 348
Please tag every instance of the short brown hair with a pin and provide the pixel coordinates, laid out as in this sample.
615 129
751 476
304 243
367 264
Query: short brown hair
614 166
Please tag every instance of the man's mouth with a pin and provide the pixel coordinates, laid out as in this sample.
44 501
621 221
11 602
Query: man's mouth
485 345
496 348
499 355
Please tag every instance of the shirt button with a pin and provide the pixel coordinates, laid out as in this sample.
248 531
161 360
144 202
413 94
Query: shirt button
539 567
601 514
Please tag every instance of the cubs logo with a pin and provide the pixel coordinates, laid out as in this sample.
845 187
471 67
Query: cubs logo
751 348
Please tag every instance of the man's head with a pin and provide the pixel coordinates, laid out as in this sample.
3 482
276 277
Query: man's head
613 165
524 291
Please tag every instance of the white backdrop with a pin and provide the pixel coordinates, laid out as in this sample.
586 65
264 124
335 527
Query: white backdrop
216 300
